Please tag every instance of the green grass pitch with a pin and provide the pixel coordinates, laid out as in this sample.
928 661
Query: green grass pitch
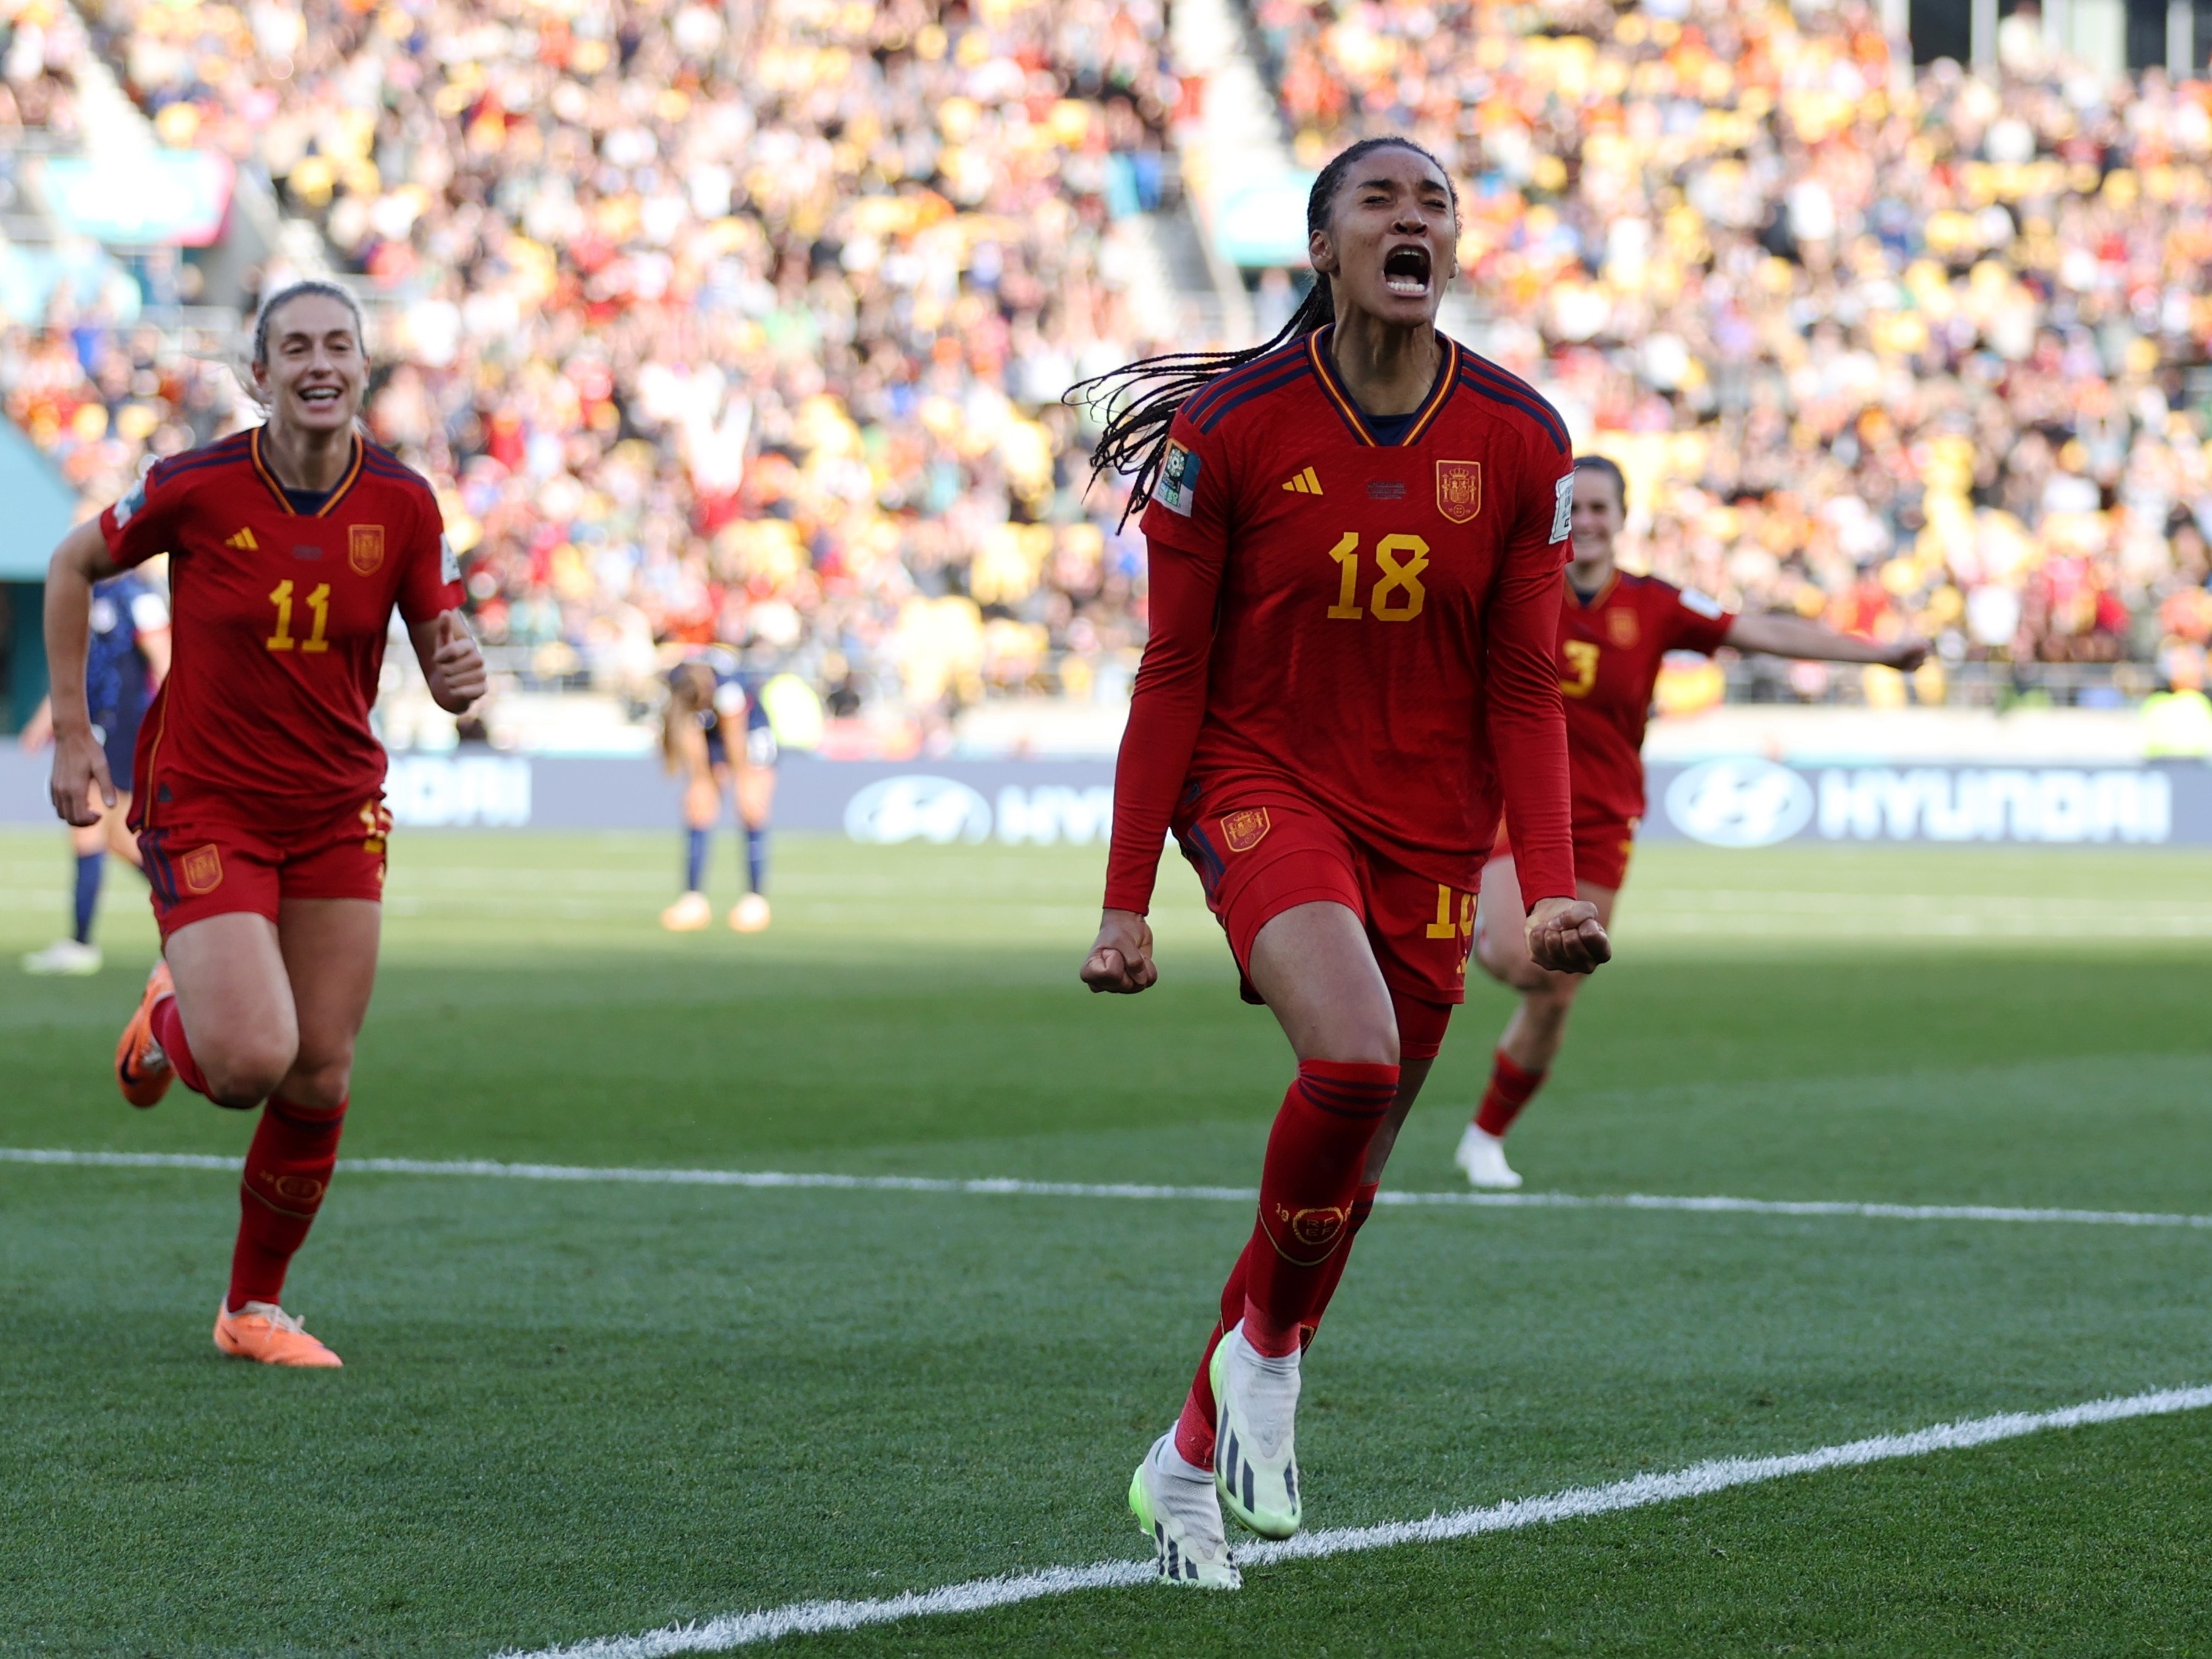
576 1410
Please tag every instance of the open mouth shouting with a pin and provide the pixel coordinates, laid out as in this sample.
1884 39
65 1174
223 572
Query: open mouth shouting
1406 272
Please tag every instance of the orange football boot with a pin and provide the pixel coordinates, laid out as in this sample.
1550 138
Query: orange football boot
265 1332
141 1069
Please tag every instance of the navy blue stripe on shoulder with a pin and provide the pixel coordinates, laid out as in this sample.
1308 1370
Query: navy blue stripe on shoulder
229 452
1259 367
1290 375
1529 402
400 470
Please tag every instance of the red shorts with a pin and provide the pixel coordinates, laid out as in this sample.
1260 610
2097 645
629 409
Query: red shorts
203 864
1256 862
1602 846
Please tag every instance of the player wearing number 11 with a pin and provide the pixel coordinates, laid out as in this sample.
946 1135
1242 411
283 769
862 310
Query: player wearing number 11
259 798
1356 534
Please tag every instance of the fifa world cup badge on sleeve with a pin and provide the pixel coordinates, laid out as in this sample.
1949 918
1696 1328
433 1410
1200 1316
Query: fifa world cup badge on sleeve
449 563
1178 485
1459 489
131 503
1563 513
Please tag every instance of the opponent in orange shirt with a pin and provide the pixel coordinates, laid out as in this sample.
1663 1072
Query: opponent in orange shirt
1614 631
1355 538
259 801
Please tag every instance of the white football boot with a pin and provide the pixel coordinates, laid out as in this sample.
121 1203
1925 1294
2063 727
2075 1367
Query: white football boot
1175 1504
750 914
688 914
64 955
1256 1463
1482 1155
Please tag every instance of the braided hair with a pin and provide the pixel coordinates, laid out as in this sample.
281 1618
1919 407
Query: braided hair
1140 399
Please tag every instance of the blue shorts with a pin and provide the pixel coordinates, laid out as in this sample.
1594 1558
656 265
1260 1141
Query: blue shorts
117 731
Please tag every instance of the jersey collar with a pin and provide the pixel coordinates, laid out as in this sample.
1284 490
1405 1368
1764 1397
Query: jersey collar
284 501
1596 600
1324 366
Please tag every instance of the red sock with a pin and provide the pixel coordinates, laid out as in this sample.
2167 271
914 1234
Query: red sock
1362 1206
1316 1153
1510 1088
287 1170
168 1026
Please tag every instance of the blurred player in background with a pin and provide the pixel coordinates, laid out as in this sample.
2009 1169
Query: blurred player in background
1615 630
259 806
126 657
715 735
1355 538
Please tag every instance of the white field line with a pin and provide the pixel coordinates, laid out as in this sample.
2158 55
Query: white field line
996 1186
1640 1491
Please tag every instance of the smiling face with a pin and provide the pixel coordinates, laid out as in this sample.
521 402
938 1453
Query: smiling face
312 376
1390 243
1598 516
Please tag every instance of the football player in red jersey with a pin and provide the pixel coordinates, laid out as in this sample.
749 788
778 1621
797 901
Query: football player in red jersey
1356 533
1614 631
259 801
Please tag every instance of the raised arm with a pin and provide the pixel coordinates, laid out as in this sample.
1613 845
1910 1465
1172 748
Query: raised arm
1166 708
1794 636
79 767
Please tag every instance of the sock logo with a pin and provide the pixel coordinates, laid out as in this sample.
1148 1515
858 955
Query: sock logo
203 868
1317 1228
304 1191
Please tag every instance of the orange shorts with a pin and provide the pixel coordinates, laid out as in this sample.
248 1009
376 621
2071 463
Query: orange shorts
1256 862
201 864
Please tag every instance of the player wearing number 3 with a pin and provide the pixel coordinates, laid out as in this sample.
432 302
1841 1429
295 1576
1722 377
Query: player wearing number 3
1614 631
1356 534
258 805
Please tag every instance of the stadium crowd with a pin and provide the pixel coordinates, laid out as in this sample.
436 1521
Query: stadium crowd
749 324
1895 349
745 324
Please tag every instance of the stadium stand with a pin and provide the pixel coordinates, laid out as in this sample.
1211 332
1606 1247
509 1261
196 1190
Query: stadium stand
1891 346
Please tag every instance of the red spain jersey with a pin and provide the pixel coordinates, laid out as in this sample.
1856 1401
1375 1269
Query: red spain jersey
1610 650
1357 615
280 622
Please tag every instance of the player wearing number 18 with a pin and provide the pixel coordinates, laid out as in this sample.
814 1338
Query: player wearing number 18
1356 534
259 799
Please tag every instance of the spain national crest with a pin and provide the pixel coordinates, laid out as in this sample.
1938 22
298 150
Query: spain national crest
203 869
1621 626
365 548
1459 489
1244 829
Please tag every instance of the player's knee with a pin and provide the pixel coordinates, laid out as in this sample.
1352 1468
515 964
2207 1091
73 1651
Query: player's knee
319 1081
246 1072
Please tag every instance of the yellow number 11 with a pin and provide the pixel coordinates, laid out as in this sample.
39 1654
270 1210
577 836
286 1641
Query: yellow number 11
318 602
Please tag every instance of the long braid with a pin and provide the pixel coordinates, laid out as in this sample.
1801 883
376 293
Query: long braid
1140 399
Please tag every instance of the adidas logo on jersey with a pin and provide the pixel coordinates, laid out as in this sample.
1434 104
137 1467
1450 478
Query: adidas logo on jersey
1307 482
243 542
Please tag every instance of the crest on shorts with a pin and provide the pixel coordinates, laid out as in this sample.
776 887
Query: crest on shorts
1621 626
1459 489
202 868
365 548
1244 831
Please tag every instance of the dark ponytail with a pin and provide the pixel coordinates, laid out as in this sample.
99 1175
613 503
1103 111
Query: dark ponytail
1140 399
